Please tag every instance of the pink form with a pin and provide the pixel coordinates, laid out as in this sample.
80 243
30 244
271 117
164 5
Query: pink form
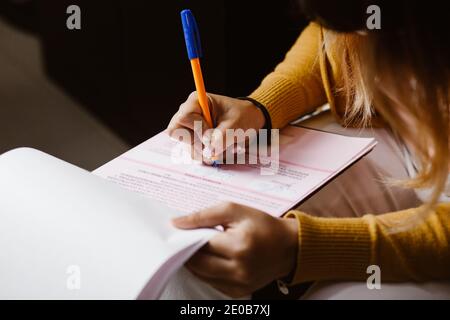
308 159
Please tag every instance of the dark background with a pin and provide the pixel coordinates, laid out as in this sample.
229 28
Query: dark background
128 64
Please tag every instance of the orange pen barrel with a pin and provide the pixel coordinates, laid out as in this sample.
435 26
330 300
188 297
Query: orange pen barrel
201 91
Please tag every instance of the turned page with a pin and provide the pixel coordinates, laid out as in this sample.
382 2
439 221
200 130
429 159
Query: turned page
68 234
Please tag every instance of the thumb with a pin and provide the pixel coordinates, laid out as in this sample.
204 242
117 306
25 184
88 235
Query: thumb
220 215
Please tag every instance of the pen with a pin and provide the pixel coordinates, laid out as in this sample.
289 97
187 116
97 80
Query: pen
194 50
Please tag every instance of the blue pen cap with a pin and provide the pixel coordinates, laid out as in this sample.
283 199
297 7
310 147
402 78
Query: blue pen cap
191 35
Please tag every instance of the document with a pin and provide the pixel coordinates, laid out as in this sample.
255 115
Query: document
308 159
66 233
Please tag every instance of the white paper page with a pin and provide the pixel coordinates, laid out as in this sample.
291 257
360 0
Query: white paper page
57 219
308 159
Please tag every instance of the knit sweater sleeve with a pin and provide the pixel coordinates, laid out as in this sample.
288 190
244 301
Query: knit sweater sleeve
405 245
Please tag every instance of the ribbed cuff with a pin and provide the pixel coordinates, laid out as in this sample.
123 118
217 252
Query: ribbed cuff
282 99
332 248
267 119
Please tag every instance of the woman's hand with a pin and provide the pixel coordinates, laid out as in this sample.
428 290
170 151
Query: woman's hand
227 113
254 249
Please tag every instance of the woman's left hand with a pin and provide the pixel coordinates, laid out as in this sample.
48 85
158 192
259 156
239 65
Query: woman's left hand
254 249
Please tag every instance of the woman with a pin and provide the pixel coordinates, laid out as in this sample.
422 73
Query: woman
395 80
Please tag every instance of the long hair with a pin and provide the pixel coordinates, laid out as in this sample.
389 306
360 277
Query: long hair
401 72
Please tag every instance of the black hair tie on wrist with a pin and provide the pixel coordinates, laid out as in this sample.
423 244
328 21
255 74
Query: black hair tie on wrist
268 120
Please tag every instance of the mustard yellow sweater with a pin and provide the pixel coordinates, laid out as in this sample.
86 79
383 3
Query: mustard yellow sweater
343 248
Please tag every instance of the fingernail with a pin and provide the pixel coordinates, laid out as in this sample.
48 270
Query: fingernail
178 220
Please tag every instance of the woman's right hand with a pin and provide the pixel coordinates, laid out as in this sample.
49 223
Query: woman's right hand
226 113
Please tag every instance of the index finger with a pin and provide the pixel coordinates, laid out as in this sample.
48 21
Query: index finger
222 214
